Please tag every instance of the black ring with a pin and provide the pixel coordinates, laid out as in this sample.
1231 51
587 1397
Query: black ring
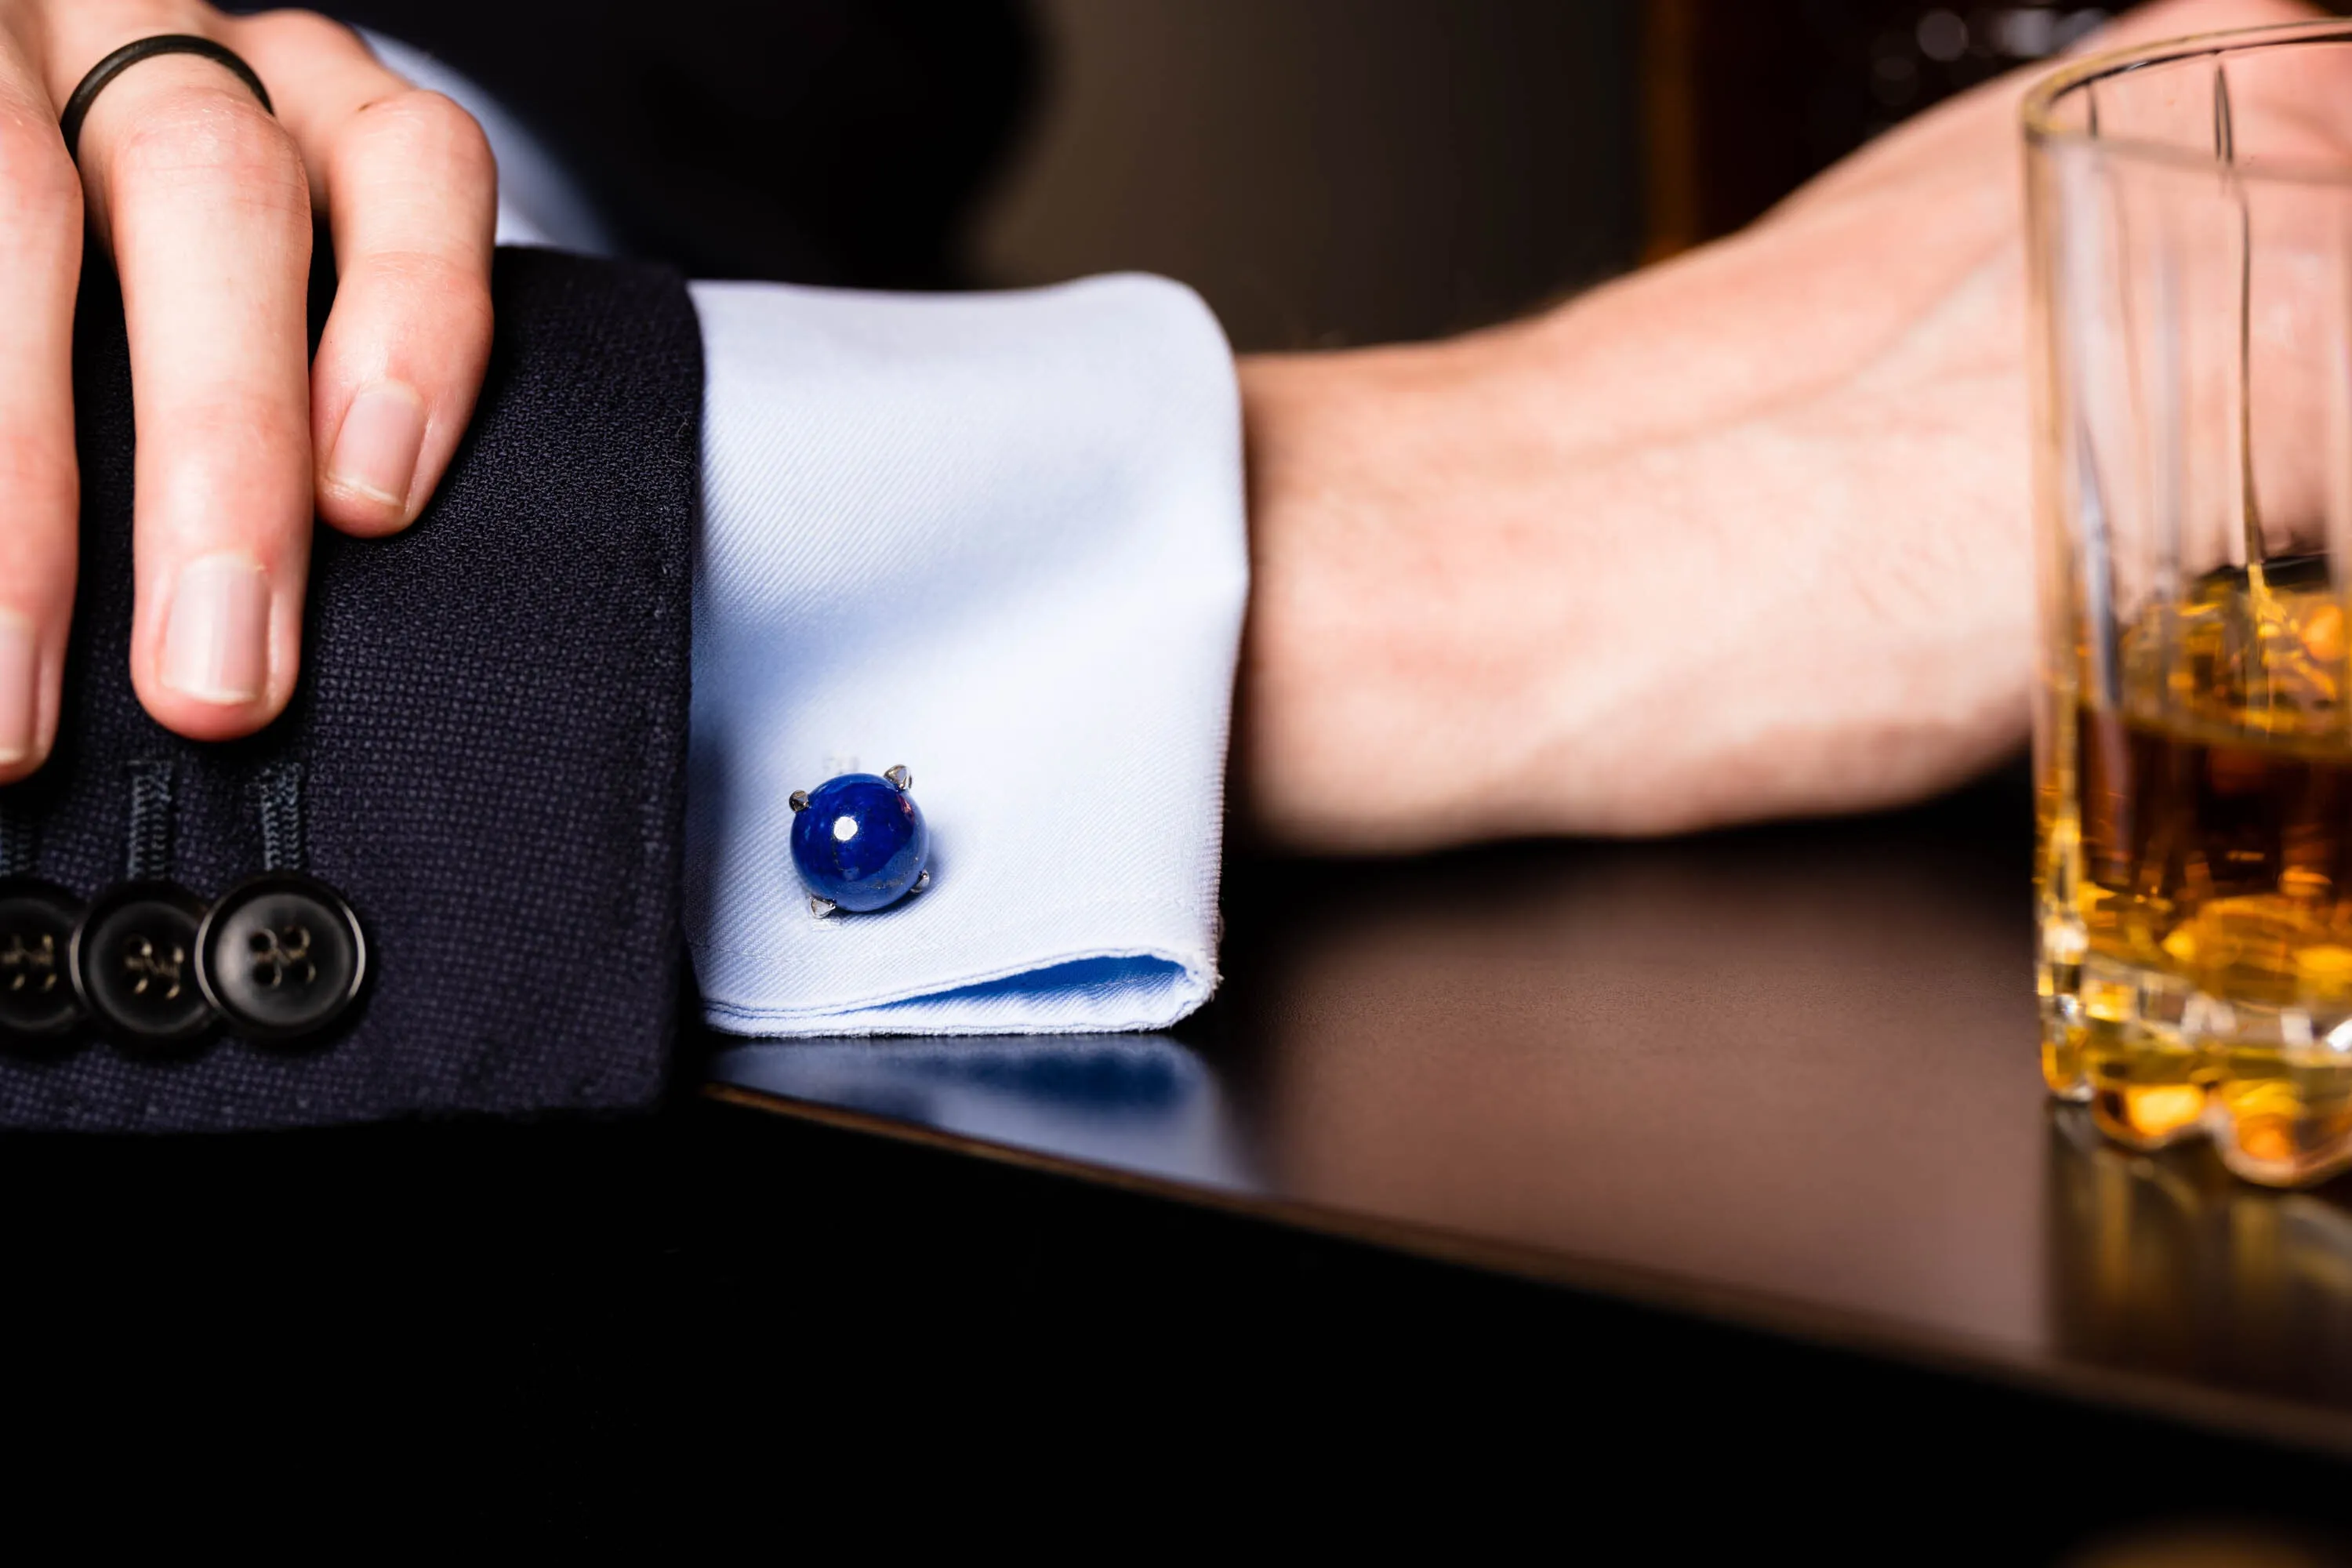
131 54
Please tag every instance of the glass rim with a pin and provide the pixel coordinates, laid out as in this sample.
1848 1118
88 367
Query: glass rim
2043 98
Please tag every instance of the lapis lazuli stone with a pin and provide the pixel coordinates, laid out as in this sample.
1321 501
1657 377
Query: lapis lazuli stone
860 842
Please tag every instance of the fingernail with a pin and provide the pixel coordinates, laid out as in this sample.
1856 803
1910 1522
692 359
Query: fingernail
20 672
375 452
217 644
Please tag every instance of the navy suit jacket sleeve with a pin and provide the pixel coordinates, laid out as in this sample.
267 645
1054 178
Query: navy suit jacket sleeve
491 730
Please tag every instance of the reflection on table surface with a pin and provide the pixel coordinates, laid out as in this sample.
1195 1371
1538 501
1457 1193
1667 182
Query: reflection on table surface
1788 1074
1146 1104
2166 1262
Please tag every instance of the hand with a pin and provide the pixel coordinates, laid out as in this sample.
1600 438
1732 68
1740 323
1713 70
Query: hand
1745 534
205 202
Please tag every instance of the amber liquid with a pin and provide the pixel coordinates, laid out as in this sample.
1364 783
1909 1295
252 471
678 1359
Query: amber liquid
2196 879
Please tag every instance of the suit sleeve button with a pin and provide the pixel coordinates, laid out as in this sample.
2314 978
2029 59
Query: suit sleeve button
133 960
37 1005
281 956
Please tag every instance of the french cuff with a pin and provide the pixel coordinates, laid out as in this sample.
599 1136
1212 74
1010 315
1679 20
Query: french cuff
998 539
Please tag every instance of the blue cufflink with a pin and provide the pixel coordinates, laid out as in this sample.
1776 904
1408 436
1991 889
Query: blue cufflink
859 842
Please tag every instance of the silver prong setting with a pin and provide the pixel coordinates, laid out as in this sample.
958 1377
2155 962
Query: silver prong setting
922 881
900 779
821 908
800 800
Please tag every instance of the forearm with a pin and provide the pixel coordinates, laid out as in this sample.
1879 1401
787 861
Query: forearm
1609 570
1740 536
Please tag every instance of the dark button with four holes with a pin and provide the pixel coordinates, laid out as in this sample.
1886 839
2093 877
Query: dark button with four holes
134 965
282 956
37 1005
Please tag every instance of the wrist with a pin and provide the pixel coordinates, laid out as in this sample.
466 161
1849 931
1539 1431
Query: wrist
1397 671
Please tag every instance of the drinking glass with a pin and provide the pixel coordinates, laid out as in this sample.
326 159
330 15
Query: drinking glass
2189 212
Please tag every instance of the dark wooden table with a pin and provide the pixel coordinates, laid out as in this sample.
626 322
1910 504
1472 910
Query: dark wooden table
1708 1184
1782 1079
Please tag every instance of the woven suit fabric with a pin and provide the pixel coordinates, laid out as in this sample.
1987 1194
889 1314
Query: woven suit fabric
490 725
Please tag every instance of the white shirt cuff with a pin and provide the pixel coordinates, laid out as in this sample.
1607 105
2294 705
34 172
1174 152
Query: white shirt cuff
997 538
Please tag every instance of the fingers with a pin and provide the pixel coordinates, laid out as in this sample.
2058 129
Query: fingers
41 260
205 201
202 196
411 191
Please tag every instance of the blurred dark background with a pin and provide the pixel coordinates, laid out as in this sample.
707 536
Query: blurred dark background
1336 171
1323 171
